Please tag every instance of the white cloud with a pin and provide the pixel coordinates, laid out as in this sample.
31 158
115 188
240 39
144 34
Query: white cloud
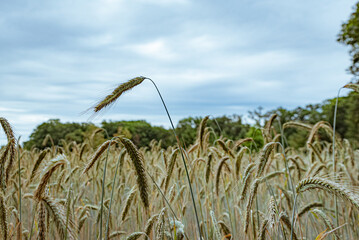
157 49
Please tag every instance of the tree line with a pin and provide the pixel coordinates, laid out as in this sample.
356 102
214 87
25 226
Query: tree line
231 127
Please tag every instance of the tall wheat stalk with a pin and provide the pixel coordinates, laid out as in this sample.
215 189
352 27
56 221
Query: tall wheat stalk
111 98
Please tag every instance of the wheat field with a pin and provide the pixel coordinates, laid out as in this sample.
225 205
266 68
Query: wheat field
116 191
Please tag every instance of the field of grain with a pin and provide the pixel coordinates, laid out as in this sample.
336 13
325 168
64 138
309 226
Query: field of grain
117 191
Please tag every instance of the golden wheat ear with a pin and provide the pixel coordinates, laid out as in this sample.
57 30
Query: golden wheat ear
138 162
353 86
329 186
47 172
3 218
122 88
7 128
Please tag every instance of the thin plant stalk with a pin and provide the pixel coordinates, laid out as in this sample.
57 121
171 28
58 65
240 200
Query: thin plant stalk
19 172
164 197
103 184
183 158
68 210
334 162
112 191
33 221
292 188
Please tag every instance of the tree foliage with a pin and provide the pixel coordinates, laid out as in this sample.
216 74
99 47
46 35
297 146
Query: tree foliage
349 35
57 131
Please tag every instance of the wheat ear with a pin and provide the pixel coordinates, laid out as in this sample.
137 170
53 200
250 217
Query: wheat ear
267 128
41 222
149 224
263 158
262 231
241 141
326 221
223 145
208 166
218 172
47 173
160 228
135 235
171 167
200 134
252 195
283 217
224 227
137 160
353 86
7 128
309 206
128 202
11 158
3 217
36 165
97 155
215 226
246 180
58 213
239 158
299 125
116 234
329 186
124 87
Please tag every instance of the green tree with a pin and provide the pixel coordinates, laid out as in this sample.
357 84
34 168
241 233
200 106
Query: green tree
349 35
141 132
57 131
227 126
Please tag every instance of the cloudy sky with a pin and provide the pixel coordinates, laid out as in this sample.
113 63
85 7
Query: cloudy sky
207 57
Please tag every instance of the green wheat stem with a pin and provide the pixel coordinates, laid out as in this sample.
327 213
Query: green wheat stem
334 162
112 191
103 184
183 158
33 220
19 167
68 210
